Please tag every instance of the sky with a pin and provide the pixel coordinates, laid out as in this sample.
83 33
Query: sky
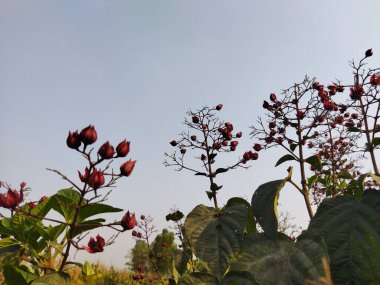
134 68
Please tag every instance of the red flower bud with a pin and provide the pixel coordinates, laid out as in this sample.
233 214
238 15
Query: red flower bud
128 221
122 148
183 150
257 147
43 198
193 138
266 105
96 179
203 157
173 143
224 143
139 235
106 151
356 92
272 97
73 140
368 52
234 143
84 177
239 134
142 217
134 233
31 205
95 246
88 135
22 185
232 148
127 167
374 80
219 107
272 125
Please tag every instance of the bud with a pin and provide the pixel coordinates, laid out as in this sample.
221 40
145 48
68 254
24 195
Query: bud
73 140
96 179
272 97
234 143
173 143
272 125
22 185
134 233
12 199
257 147
122 148
193 138
127 167
195 120
239 134
232 148
106 151
265 105
88 135
128 221
95 246
142 217
219 107
43 198
224 143
139 235
368 52
31 205
203 157
183 151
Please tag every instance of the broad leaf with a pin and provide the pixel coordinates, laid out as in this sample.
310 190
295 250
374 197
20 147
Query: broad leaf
216 236
199 278
280 262
351 230
56 278
376 141
239 277
95 209
286 157
15 275
264 206
8 245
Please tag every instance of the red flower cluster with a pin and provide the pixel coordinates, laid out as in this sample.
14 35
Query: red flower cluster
95 246
13 198
356 92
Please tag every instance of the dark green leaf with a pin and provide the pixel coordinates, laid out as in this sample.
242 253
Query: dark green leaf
8 245
212 156
353 129
315 162
264 206
293 146
280 262
221 170
286 157
238 278
216 236
376 141
351 230
345 174
56 278
214 187
210 194
175 217
361 181
15 275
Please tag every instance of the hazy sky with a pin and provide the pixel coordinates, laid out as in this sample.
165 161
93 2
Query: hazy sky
133 68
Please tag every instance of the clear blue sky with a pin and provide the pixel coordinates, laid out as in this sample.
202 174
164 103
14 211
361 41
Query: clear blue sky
133 68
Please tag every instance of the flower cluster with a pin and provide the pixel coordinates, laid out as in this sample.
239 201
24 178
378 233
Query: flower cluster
12 198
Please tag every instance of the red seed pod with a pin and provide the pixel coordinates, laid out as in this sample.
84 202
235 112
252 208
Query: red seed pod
173 143
193 138
123 148
88 135
106 151
219 107
272 125
183 150
128 222
224 143
239 134
195 119
257 147
127 167
272 97
203 157
368 52
73 140
232 148
234 143
266 105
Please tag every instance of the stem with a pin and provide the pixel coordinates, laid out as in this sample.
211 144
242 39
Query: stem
305 190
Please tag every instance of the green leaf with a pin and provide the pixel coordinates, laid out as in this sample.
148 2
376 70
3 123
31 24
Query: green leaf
87 225
237 201
65 202
87 269
376 141
251 223
361 180
353 129
216 236
214 187
238 277
15 275
311 180
286 157
351 230
221 170
199 278
264 206
280 262
315 162
345 174
93 209
9 245
56 278
375 178
212 156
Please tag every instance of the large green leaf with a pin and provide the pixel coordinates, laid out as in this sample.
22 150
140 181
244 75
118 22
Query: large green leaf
264 206
199 278
8 245
16 275
216 236
95 209
239 278
280 262
65 202
56 278
315 162
351 230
